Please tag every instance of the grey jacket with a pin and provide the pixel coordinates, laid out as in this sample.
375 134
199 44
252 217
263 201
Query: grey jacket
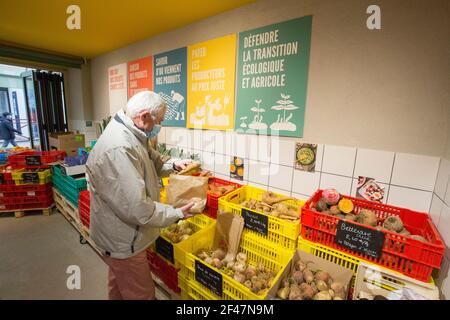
126 216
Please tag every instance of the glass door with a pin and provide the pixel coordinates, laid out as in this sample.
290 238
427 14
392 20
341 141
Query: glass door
32 110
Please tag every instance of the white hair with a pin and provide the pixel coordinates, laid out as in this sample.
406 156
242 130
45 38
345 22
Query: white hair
145 101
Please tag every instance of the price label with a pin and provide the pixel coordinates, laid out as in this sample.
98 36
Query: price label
256 221
30 177
31 193
208 277
164 248
363 240
33 160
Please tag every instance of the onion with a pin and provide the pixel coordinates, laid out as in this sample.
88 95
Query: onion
321 285
239 267
242 257
322 275
250 272
217 263
209 260
239 277
219 253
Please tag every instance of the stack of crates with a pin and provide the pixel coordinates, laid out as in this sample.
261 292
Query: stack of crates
69 186
25 181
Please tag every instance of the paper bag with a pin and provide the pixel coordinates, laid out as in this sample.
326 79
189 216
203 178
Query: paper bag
228 233
184 189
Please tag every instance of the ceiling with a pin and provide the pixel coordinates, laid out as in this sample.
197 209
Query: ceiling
105 24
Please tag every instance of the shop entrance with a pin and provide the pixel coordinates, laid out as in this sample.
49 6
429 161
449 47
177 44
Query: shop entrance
35 100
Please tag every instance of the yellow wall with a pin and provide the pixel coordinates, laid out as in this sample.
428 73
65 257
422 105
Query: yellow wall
386 89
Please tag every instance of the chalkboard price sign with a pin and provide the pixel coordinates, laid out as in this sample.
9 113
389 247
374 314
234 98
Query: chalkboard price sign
164 248
33 160
208 277
255 221
360 239
30 177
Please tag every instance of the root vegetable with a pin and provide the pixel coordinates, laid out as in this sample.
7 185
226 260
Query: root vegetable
351 217
307 291
217 263
346 205
300 265
321 285
219 254
308 276
297 276
322 275
417 237
337 287
283 293
335 210
271 198
285 283
405 232
321 205
393 223
230 265
338 298
367 217
209 260
241 257
248 284
331 196
295 293
261 267
239 277
331 292
183 237
250 272
322 295
202 254
239 267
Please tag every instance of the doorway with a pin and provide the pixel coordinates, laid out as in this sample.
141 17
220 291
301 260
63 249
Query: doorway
35 99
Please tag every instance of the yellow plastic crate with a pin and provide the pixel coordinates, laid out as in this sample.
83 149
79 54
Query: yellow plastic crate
329 254
257 250
282 232
183 285
45 176
196 223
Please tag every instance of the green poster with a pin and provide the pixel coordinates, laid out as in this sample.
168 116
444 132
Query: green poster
272 78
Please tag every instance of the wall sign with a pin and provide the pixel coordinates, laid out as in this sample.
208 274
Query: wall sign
272 78
164 248
170 83
208 277
255 221
211 81
364 240
117 82
140 75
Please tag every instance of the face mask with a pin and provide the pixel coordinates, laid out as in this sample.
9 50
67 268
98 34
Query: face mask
156 129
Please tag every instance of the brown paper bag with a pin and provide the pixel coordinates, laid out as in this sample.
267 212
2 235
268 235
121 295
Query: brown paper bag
228 234
184 189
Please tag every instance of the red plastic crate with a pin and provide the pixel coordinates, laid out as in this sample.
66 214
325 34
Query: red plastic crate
85 198
9 207
33 187
167 273
212 202
40 205
47 157
27 199
85 220
411 257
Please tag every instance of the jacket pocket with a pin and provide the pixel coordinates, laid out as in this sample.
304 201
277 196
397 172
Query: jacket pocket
136 233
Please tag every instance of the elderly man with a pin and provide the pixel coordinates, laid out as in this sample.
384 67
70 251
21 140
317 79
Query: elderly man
123 180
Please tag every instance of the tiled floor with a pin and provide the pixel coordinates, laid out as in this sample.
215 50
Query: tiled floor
35 253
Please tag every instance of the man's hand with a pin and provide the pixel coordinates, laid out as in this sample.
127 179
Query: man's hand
185 209
181 164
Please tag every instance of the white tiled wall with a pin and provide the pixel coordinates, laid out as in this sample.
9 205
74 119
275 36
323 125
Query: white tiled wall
409 180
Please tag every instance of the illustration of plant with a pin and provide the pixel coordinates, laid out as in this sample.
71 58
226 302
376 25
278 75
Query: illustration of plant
243 124
257 120
282 122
